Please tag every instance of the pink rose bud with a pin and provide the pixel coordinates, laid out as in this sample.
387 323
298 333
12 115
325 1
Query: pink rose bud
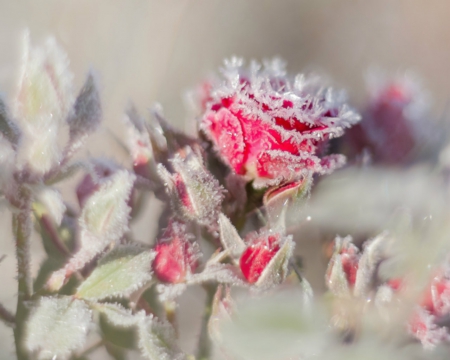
258 254
270 128
176 255
396 126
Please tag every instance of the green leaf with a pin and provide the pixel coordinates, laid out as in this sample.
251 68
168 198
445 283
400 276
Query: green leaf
57 327
121 272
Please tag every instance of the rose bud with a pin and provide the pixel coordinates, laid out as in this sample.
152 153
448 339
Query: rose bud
396 126
270 128
264 261
195 193
176 255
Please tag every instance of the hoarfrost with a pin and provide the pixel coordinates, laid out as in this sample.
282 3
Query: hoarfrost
157 340
117 315
86 114
53 203
119 273
104 220
57 327
42 103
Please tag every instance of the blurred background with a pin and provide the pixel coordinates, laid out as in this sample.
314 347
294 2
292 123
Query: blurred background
155 50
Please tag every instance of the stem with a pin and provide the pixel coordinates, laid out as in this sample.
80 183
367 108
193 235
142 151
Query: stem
22 231
204 343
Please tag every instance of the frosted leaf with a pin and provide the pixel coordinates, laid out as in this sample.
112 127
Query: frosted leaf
157 341
86 114
277 269
42 103
195 193
374 252
220 273
57 327
169 292
121 272
8 128
337 279
53 203
103 220
229 237
105 214
119 316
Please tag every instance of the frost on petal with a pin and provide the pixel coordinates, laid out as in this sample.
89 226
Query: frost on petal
277 166
176 254
57 327
86 114
230 239
103 220
53 203
226 130
119 273
268 126
195 193
42 103
117 315
157 340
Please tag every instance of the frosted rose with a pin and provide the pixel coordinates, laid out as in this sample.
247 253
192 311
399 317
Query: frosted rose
271 128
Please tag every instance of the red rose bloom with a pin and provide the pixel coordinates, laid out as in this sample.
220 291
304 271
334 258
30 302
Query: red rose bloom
271 129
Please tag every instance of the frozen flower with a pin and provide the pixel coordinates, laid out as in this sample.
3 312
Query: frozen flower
176 255
271 128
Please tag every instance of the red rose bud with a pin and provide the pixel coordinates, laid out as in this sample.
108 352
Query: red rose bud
176 255
269 128
259 257
195 194
396 126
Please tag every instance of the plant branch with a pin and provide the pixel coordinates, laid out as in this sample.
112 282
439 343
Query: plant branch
22 231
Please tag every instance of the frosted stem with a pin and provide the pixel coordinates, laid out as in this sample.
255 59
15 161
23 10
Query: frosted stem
22 231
